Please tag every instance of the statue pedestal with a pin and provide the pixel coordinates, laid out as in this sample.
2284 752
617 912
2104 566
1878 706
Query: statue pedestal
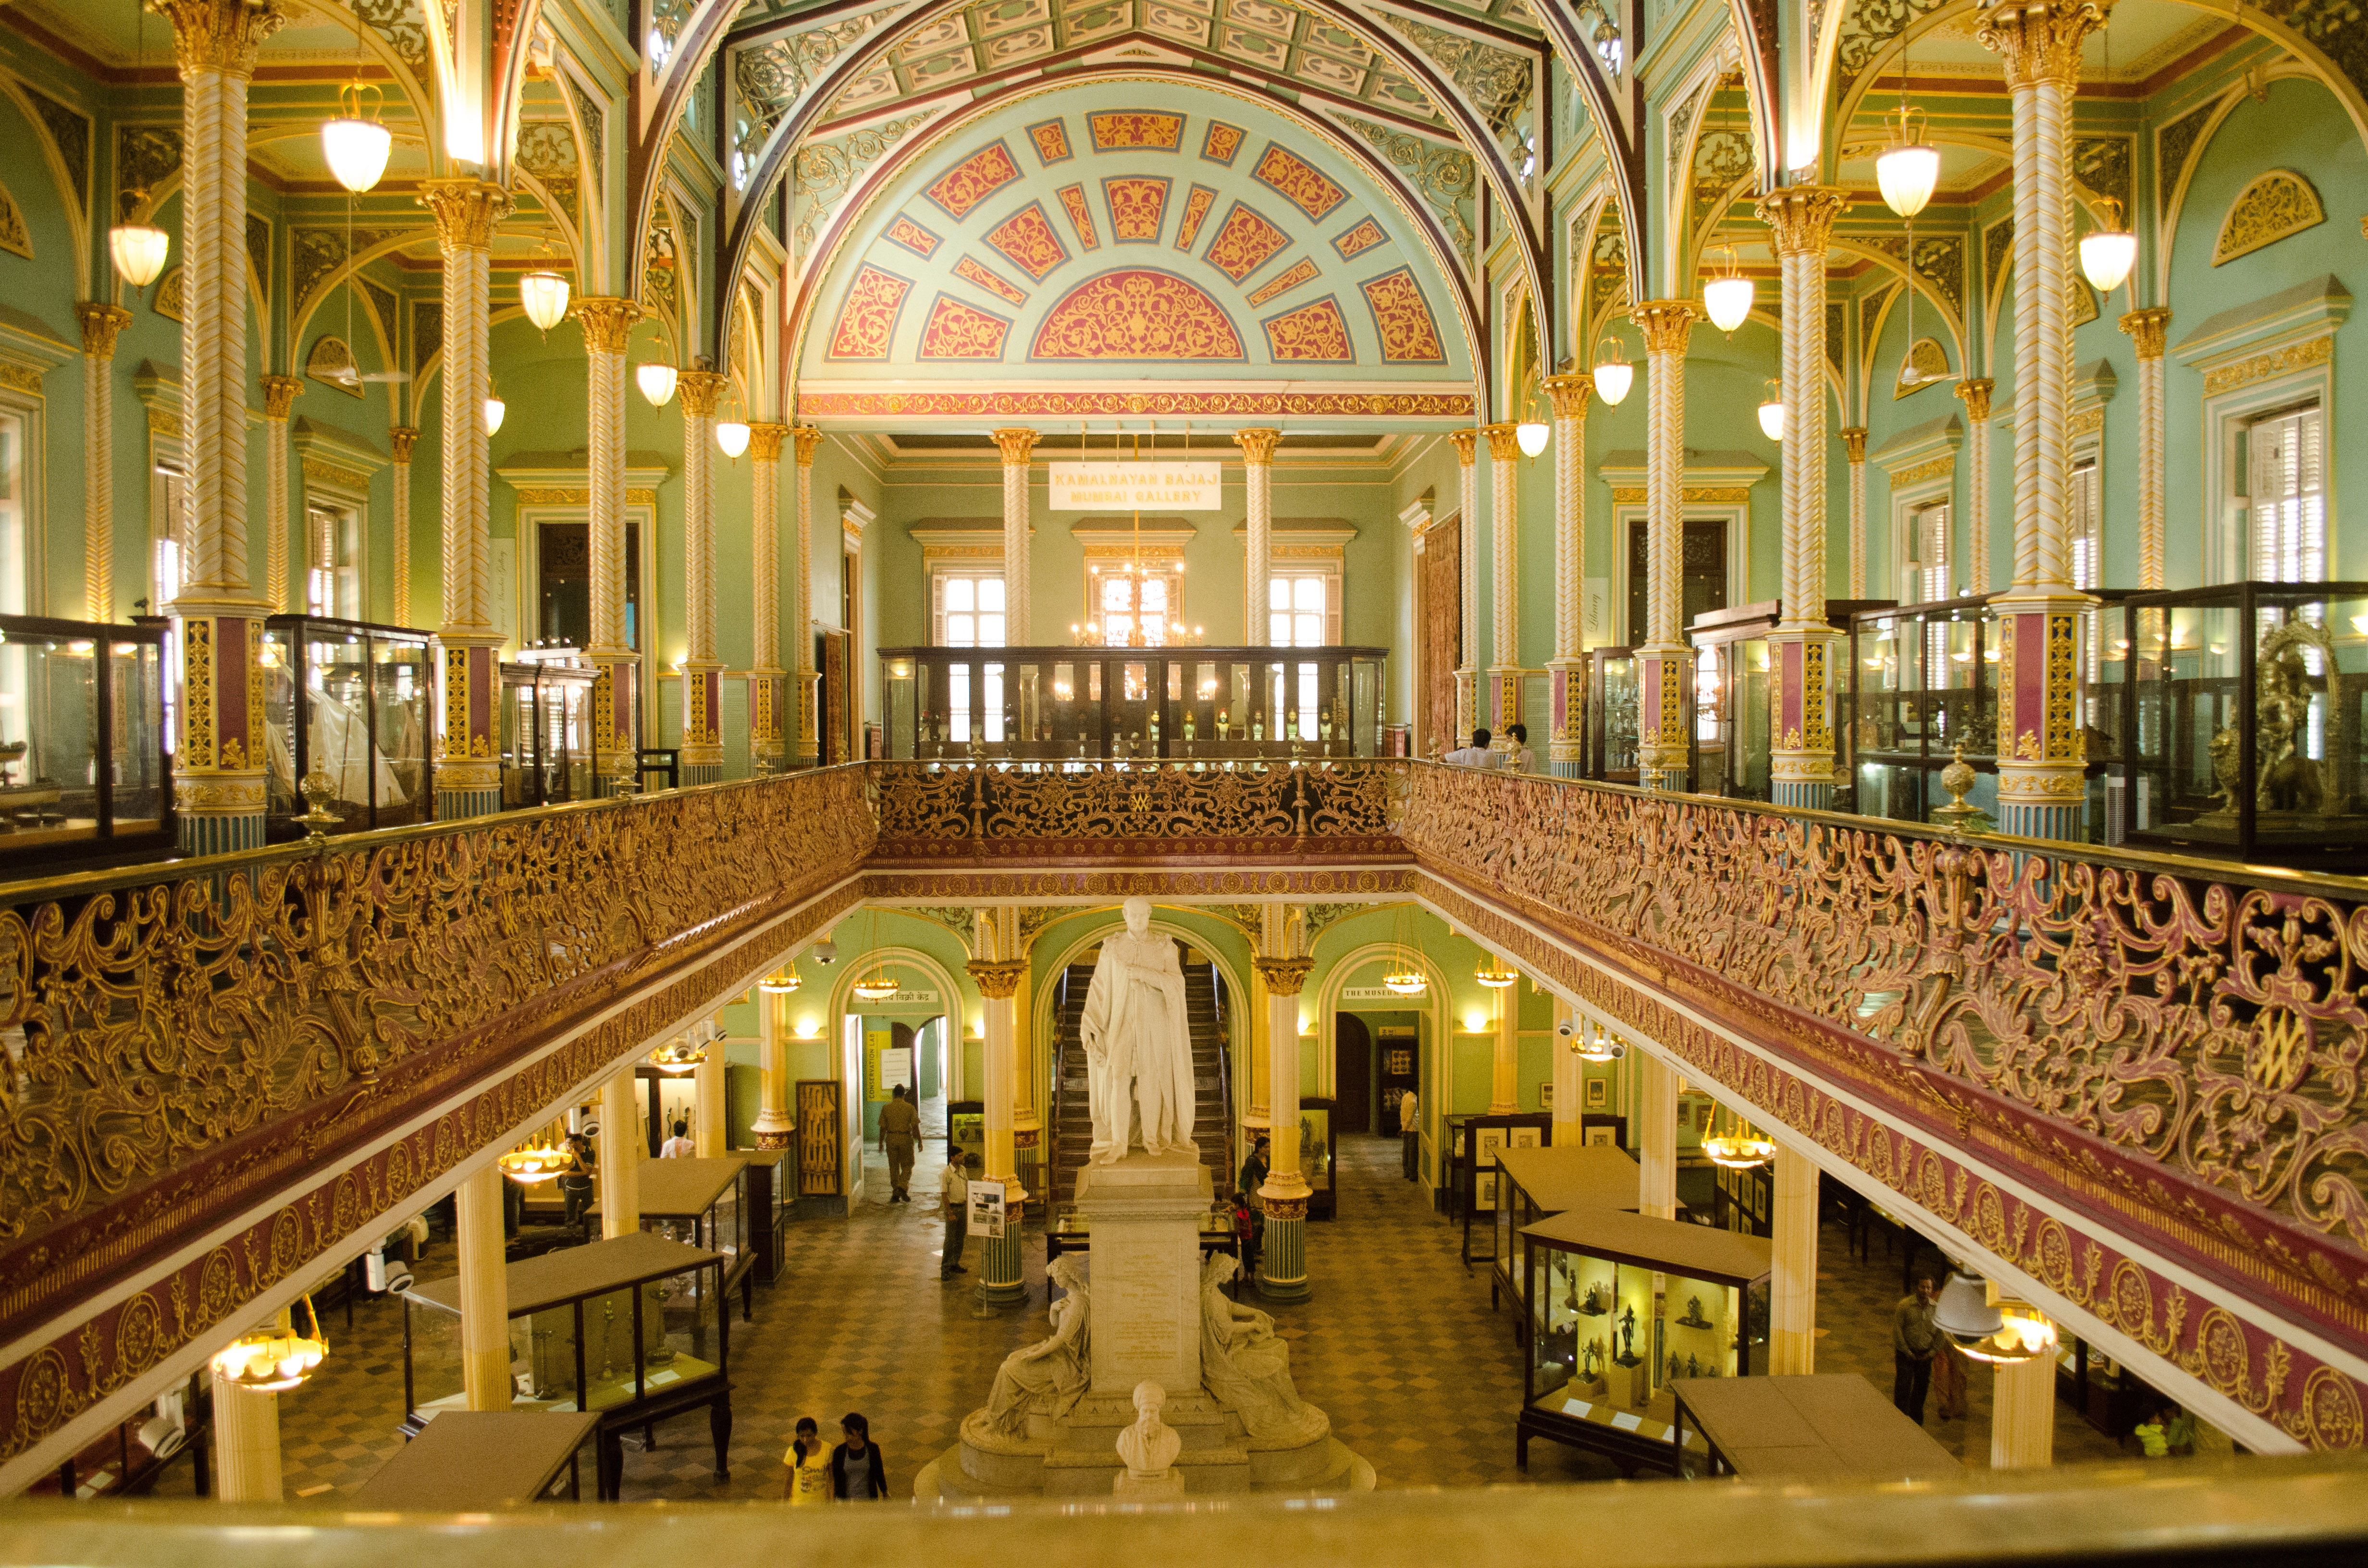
1143 1214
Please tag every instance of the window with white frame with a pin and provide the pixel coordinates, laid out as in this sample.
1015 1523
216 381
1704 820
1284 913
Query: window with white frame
1125 597
332 585
2285 484
969 611
1299 611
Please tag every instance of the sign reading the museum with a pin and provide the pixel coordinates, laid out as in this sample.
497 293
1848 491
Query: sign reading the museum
1129 486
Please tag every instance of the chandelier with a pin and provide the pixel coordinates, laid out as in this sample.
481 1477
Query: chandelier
272 1360
779 983
534 1166
1598 1044
877 985
1494 978
1739 1148
2003 1332
1406 976
678 1057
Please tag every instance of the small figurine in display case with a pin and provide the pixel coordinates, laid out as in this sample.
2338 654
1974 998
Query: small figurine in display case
1693 1318
1627 1356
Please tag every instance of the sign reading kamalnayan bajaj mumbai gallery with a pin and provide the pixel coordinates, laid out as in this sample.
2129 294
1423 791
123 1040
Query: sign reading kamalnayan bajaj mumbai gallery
1134 487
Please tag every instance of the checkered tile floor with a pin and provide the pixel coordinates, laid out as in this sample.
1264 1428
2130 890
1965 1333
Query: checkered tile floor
1398 1344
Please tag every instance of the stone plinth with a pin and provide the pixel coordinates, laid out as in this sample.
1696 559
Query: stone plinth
1143 1214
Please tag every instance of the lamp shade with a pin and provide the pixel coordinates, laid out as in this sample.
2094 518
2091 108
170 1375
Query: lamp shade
1612 379
1531 436
545 295
656 382
1728 301
1772 420
357 151
2106 257
138 250
494 410
1964 1310
732 435
1906 173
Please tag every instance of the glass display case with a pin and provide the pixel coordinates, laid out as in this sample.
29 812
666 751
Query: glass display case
354 700
546 732
1621 1306
705 1203
1476 1141
1610 728
1317 1159
613 1328
2247 723
1537 1183
1734 733
86 758
1067 704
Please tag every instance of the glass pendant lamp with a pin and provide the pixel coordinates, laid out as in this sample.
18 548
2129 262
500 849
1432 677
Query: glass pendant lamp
657 382
2109 251
731 428
1727 298
496 410
137 248
1771 414
1613 374
356 143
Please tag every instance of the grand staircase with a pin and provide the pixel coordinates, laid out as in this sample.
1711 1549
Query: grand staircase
1212 1117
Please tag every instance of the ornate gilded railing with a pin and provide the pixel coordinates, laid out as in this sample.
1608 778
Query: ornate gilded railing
183 1038
1029 810
2181 1038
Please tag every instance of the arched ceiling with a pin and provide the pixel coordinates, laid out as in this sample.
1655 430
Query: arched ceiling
1071 253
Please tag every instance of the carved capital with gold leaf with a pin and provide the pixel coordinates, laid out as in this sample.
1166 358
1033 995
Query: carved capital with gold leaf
1504 446
222 36
765 440
1801 217
1974 393
1017 443
605 320
2038 41
2147 329
808 440
1854 443
1283 977
100 324
279 394
1465 442
1666 324
999 979
1569 394
1257 446
465 209
405 440
700 390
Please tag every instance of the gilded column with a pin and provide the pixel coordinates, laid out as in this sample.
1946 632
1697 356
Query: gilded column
1017 444
808 440
1505 1062
711 1132
247 1442
1854 445
280 393
1793 1284
1258 565
218 766
468 772
703 671
606 322
767 681
100 324
623 1146
403 439
1803 648
1504 577
1000 1282
481 1241
1567 675
1976 396
776 1126
1665 668
1467 568
2023 1415
2042 793
1282 1197
1656 1138
1570 1077
2148 330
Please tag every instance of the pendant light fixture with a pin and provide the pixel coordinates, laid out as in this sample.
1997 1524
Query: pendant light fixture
138 248
781 983
1739 1148
2107 252
1910 166
356 143
656 381
1406 976
532 1165
875 984
732 428
543 292
1495 979
272 1360
1728 296
1532 433
1613 374
1593 1042
1991 1331
1772 413
495 409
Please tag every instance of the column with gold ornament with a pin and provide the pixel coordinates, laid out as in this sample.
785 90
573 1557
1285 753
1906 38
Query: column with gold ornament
100 324
2148 328
804 694
624 1145
2042 755
703 671
606 322
1505 1062
1854 448
1467 578
402 441
1282 1197
1802 649
280 393
1257 564
776 1126
1567 671
468 772
1663 665
768 683
1016 444
218 766
1504 704
1974 393
1000 1282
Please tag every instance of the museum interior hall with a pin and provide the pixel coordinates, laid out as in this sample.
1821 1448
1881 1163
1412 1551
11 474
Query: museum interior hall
1221 778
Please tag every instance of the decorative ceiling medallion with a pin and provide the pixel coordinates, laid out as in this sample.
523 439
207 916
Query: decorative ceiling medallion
2273 206
1137 314
903 230
1221 144
1081 215
1359 240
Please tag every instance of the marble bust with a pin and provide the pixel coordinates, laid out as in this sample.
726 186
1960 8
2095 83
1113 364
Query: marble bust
1138 1046
1149 1447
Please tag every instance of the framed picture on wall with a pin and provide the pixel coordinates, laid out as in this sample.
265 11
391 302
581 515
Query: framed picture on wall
1528 1137
1598 1094
1603 1138
1398 1063
1545 1097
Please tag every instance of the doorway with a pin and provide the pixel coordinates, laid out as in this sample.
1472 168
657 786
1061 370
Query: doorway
1701 573
1353 1075
1439 636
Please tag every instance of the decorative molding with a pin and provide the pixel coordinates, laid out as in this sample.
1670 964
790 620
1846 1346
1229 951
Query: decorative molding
2269 365
2272 206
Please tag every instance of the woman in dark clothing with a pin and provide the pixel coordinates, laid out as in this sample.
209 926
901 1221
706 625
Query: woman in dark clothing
857 1474
575 1189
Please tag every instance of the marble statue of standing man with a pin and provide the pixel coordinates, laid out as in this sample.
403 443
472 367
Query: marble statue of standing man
1138 1047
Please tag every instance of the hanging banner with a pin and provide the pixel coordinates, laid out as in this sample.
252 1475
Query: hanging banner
985 1208
1130 487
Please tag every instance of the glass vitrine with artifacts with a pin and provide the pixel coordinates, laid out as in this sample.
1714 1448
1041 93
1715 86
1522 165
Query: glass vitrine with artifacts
1923 686
1316 1162
1736 680
1612 715
84 746
546 732
356 701
1476 1140
1537 1183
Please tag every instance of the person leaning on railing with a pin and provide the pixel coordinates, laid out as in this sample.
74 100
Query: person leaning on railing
1476 755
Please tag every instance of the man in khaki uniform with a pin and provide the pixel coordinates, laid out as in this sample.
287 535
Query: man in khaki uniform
900 1136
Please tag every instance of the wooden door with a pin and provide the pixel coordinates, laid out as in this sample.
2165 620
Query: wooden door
1702 570
1439 611
1353 1075
836 708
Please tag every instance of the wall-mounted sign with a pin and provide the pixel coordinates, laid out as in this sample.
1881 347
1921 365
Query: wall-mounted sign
1128 487
1376 994
902 1000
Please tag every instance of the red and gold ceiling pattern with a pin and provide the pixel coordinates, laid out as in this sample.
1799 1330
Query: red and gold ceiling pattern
1139 313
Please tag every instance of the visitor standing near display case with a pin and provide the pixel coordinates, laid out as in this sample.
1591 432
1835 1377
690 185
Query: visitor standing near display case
808 1483
576 1186
953 1201
900 1135
679 1146
858 1474
1914 1337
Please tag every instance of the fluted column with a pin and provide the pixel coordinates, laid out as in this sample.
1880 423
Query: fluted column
1567 671
766 682
218 766
1467 578
1504 576
710 1131
1017 444
1569 1079
805 696
1656 1138
1854 447
1663 668
2023 1415
1257 564
1000 1282
1505 1062
1793 1283
468 773
402 440
606 322
1803 648
776 1126
2040 750
246 1443
100 324
703 671
279 394
1282 1197
481 1243
623 1146
1976 396
2147 329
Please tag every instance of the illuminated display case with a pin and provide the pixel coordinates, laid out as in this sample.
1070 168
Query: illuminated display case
1611 727
2248 722
546 732
354 700
1734 735
85 757
1067 704
1318 1159
705 1203
1620 1307
1476 1139
1537 1183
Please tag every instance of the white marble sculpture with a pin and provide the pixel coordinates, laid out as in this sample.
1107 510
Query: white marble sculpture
1138 1047
1247 1365
1149 1448
1047 1378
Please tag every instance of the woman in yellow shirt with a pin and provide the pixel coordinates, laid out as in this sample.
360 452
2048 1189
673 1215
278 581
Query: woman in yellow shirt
808 1483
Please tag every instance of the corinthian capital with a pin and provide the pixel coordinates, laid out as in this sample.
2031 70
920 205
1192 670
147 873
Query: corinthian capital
1570 395
2148 328
280 396
1801 217
1283 977
1974 393
606 322
998 978
2038 41
219 35
1666 324
1017 443
1465 441
100 324
700 388
405 440
1257 446
765 440
466 210
1504 446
